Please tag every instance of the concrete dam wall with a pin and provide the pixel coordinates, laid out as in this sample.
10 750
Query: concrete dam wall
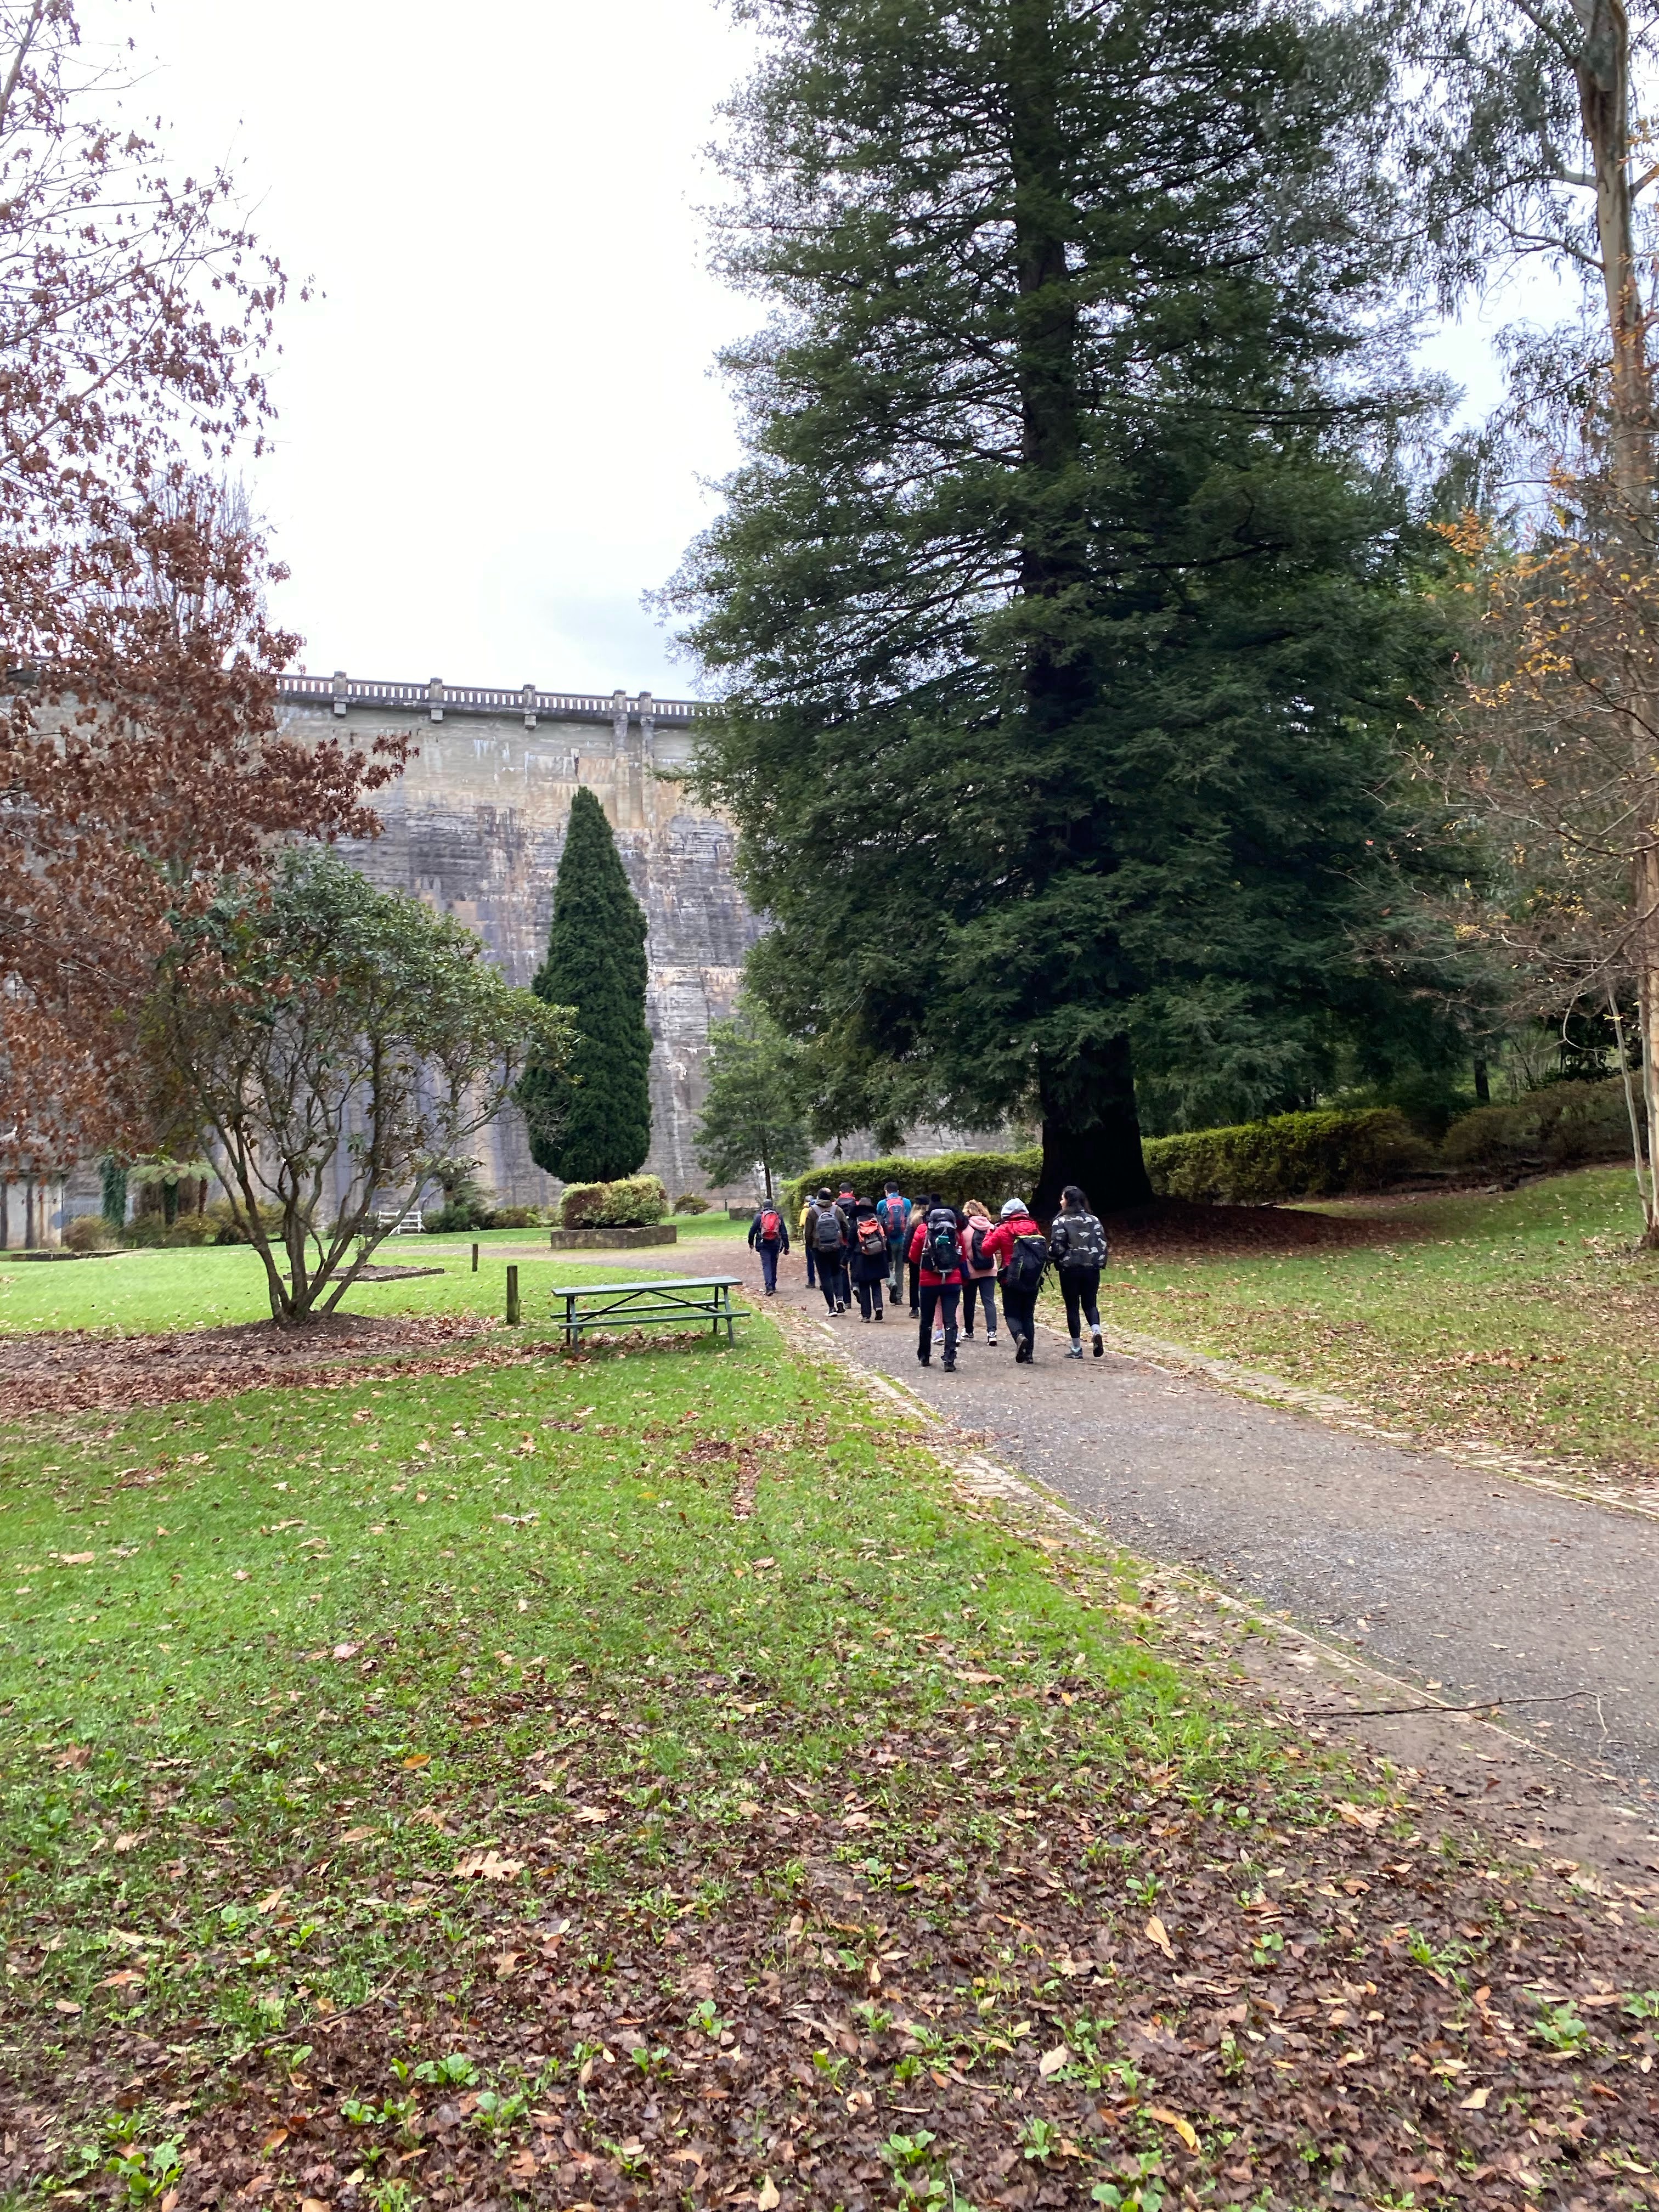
476 826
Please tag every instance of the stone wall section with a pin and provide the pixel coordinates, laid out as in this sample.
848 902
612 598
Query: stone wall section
476 826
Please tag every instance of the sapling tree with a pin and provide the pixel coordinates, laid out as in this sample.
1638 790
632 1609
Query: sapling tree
333 1047
751 1117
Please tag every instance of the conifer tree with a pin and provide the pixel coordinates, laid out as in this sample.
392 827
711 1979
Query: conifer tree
1064 609
590 1122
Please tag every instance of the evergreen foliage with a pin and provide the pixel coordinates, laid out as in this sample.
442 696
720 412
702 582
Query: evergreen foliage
590 1119
1065 606
751 1117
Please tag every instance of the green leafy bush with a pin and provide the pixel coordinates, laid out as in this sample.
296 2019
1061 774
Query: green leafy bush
152 1231
689 1202
513 1216
634 1202
1318 1155
227 1230
1559 1126
957 1176
88 1232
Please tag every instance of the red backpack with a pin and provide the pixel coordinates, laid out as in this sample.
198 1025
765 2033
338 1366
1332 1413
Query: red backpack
771 1224
873 1237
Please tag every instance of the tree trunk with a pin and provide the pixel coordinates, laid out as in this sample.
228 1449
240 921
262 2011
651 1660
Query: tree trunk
1091 1135
1482 1084
1090 1130
1604 93
1647 1000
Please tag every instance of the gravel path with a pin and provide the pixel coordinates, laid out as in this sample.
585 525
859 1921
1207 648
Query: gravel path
1482 1585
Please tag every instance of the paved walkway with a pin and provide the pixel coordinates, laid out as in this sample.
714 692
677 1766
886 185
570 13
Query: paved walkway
1481 1584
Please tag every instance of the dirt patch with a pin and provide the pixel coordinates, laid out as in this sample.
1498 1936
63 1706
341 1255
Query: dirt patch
80 1371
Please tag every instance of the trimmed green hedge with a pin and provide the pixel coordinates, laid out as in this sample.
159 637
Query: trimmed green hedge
1561 1125
1292 1156
632 1202
1318 1155
957 1176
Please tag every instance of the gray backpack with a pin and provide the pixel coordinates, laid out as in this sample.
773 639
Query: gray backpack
1078 1241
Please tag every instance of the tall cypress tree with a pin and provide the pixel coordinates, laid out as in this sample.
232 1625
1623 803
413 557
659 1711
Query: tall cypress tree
1063 609
591 1122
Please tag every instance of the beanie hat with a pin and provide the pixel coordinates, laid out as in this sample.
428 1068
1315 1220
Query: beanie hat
1013 1206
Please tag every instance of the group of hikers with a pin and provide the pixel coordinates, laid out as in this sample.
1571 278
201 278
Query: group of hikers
860 1248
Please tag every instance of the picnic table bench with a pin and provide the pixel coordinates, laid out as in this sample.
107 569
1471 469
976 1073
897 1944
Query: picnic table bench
677 1300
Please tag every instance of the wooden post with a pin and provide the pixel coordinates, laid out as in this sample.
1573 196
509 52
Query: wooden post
512 1297
475 1259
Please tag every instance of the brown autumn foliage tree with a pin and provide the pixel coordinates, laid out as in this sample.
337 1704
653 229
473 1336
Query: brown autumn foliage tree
140 758
1553 760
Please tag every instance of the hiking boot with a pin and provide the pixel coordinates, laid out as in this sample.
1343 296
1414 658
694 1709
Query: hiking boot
1022 1351
922 1359
878 1313
949 1367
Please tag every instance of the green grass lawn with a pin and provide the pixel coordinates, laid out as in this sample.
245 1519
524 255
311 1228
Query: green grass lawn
212 1285
640 1778
1527 1319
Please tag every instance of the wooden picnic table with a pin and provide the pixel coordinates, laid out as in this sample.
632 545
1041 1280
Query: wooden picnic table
676 1299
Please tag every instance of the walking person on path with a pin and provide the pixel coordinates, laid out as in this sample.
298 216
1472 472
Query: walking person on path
936 1253
1021 1252
894 1210
867 1261
980 1274
768 1235
1077 1245
827 1233
803 1231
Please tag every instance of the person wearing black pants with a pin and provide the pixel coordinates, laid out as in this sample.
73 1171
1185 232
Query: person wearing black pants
867 1261
940 1286
1018 1303
1077 1244
826 1232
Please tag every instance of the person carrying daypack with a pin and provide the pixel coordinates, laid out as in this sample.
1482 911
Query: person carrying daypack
1078 1244
893 1210
936 1253
979 1273
1021 1253
826 1234
768 1235
867 1261
804 1231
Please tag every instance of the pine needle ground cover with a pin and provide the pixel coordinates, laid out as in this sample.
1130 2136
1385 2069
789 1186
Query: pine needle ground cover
1526 1320
644 1779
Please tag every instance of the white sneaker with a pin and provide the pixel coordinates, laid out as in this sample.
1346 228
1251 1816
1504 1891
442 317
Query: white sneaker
938 1336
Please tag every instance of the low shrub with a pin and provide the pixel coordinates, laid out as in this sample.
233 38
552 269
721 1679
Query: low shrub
89 1232
636 1202
1559 1126
227 1230
513 1216
689 1202
991 1177
1317 1155
150 1232
454 1219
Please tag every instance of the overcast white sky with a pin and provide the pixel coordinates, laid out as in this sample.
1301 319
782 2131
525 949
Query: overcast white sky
495 411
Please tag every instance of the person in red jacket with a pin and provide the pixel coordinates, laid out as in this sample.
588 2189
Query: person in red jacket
1021 1252
936 1253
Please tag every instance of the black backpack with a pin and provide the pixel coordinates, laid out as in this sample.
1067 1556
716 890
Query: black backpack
943 1254
1079 1242
1027 1261
826 1229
